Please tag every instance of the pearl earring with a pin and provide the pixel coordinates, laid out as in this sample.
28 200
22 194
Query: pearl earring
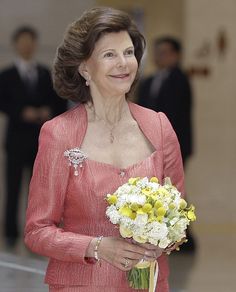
87 83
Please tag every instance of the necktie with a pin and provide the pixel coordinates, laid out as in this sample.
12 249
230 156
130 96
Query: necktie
157 83
30 79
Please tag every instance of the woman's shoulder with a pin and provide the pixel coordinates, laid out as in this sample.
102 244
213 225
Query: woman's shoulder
156 121
66 119
149 114
64 125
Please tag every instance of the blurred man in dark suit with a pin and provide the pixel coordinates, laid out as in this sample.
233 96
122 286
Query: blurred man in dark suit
168 91
28 100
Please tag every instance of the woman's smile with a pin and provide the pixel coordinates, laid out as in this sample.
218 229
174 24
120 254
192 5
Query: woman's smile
121 76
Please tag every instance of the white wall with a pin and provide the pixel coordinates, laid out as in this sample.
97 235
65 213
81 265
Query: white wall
49 17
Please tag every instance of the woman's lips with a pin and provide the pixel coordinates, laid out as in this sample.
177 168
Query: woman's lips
120 76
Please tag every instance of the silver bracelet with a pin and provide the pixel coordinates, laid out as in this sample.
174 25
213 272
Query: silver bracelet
99 239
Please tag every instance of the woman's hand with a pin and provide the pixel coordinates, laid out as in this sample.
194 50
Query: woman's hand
157 251
175 246
121 253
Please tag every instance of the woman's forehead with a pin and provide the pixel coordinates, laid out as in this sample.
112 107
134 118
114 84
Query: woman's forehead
113 40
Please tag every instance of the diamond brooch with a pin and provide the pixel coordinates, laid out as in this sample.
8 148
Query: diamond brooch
76 158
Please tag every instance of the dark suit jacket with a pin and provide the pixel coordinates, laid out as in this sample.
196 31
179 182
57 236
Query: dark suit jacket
175 100
14 97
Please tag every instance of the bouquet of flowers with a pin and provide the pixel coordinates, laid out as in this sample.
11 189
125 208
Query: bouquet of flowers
149 212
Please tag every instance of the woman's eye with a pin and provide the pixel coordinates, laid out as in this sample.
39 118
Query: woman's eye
130 52
108 54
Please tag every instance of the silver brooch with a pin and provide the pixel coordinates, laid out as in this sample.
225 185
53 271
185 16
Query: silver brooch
76 158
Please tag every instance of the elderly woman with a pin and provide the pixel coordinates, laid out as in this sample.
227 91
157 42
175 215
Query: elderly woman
90 151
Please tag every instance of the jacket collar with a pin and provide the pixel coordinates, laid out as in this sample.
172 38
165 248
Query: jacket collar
143 117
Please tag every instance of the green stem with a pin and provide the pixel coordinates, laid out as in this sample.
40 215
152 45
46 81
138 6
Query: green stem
139 278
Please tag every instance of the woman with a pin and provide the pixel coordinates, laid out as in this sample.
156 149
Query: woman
92 149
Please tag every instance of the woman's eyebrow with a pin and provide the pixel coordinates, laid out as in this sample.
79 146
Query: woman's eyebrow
111 49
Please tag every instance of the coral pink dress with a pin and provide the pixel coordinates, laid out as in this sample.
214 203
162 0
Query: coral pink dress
66 206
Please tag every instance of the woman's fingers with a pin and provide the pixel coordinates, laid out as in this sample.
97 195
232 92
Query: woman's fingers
132 255
123 254
127 264
155 251
148 246
114 250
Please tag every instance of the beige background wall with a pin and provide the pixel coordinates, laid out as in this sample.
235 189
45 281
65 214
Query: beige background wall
212 173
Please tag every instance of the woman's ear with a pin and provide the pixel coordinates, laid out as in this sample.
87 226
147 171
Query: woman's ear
82 70
84 73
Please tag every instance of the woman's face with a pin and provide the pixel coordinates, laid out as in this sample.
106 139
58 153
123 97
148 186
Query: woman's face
112 67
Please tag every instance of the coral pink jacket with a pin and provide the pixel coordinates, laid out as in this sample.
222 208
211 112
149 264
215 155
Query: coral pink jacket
66 211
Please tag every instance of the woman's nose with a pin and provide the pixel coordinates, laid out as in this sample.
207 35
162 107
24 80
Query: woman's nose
121 62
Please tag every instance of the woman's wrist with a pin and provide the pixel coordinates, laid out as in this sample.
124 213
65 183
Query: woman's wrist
96 248
93 248
90 249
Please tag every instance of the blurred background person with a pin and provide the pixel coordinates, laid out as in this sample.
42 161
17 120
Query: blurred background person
28 100
169 91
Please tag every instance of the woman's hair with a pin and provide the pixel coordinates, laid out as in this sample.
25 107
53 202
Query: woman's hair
78 45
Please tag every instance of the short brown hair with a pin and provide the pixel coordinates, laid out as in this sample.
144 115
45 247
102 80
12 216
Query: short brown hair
78 45
23 30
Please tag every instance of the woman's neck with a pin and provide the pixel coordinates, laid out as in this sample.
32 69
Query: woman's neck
109 110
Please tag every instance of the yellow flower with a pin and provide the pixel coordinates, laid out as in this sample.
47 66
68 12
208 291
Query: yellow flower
172 206
112 199
158 204
134 206
143 265
147 208
154 179
191 214
133 215
154 196
163 192
151 213
147 191
140 239
126 211
151 216
160 218
125 232
140 211
161 211
133 180
182 204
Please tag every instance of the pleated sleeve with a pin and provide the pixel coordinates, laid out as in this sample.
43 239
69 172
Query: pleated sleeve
47 194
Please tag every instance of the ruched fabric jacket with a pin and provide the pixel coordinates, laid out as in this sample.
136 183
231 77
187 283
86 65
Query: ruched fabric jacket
65 211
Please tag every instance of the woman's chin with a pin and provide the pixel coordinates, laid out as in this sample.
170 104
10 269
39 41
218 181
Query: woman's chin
120 90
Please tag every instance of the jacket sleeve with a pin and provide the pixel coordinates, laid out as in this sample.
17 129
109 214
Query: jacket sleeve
172 159
47 193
